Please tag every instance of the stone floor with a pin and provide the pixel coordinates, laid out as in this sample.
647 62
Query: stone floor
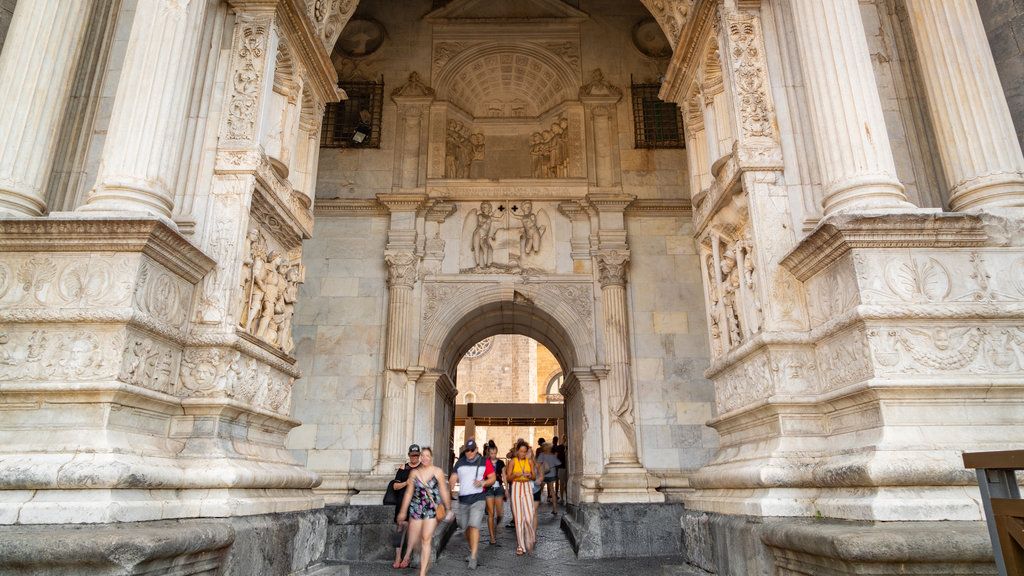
552 556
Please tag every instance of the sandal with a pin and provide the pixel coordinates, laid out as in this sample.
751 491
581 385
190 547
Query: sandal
404 564
397 564
519 550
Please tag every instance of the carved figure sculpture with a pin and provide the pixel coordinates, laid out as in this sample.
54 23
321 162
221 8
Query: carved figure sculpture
529 242
461 149
483 237
288 298
271 286
731 285
549 151
252 266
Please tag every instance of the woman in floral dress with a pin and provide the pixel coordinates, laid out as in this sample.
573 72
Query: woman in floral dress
426 490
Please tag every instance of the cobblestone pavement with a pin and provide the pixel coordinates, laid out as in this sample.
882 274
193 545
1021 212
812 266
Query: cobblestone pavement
553 556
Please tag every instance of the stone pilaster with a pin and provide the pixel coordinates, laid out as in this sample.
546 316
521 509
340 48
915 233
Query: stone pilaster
858 170
980 154
143 148
611 269
403 263
413 99
36 68
600 100
623 478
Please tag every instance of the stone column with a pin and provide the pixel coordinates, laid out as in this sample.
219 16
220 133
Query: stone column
36 66
858 170
611 269
147 125
981 158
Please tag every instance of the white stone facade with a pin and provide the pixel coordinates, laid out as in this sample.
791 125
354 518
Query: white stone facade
811 310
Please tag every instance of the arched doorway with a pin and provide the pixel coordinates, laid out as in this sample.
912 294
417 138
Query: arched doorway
478 311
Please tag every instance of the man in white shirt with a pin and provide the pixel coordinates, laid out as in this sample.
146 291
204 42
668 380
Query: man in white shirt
475 475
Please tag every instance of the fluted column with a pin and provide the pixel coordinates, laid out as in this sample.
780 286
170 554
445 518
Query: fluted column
858 171
980 155
36 65
147 125
611 267
401 278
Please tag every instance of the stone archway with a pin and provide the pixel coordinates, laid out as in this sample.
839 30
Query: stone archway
559 315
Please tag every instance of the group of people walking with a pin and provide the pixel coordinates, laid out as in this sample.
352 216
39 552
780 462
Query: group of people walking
485 482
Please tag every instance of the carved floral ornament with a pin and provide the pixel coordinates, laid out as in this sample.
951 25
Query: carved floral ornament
750 76
250 46
612 266
402 268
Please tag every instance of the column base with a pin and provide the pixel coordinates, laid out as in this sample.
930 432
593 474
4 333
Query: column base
1000 190
729 545
621 485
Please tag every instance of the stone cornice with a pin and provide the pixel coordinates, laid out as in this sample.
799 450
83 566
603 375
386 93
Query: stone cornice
660 208
838 234
683 66
610 202
349 207
402 202
151 236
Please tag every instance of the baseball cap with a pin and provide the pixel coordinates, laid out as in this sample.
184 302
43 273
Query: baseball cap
470 445
414 448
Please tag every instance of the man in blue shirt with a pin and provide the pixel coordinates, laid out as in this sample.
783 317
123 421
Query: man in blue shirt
475 475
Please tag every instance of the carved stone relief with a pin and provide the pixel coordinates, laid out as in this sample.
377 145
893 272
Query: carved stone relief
671 15
549 151
507 238
247 77
162 295
735 310
65 281
59 354
843 359
749 74
462 149
268 292
744 383
223 372
150 364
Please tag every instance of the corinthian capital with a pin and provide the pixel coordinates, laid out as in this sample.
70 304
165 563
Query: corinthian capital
611 267
402 268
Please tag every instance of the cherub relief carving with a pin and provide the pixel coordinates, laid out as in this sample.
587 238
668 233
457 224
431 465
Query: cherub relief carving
483 237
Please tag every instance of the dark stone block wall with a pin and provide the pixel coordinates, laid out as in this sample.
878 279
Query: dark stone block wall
1004 24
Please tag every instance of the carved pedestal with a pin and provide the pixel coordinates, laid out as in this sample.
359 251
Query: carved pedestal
109 410
915 352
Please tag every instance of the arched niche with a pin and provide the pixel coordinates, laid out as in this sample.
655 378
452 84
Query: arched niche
524 80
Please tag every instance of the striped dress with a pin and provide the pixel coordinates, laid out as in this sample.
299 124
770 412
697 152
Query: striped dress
522 504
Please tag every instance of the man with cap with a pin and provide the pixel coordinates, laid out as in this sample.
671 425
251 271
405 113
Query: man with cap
475 475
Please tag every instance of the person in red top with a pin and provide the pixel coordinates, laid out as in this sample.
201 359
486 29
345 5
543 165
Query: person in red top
475 475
